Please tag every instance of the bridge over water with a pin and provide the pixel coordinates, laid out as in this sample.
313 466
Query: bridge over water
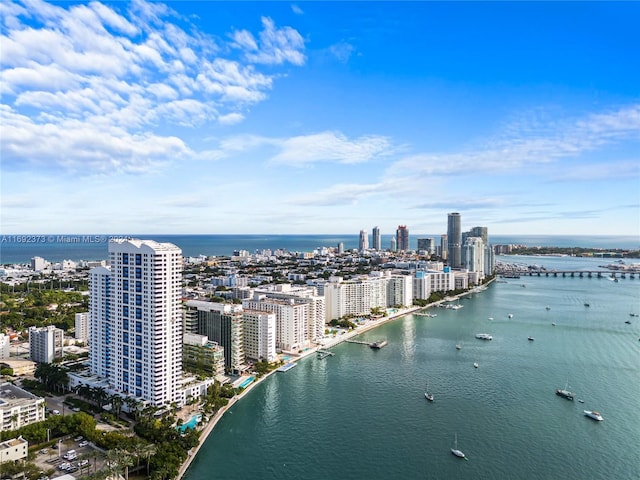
610 274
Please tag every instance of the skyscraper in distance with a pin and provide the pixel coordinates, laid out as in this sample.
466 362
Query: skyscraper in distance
402 238
454 239
363 243
375 239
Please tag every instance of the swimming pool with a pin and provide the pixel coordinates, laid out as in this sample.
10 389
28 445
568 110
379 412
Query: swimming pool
247 382
191 424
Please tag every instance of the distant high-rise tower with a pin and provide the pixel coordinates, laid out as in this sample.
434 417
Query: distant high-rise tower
454 239
426 244
402 238
341 247
135 320
443 248
375 239
393 246
363 244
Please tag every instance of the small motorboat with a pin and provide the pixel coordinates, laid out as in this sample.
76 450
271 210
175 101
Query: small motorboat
475 364
531 339
593 415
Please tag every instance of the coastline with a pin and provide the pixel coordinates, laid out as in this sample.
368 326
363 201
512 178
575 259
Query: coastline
206 431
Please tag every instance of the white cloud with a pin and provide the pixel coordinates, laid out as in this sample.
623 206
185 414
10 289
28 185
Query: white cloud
342 51
296 9
275 47
529 146
119 74
331 146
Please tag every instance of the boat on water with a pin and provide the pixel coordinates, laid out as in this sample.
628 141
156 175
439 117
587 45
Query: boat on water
586 304
531 339
475 364
548 307
484 336
458 346
593 415
427 395
564 392
628 322
454 450
510 315
553 324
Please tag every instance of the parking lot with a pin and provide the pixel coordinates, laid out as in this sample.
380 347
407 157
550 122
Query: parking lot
74 456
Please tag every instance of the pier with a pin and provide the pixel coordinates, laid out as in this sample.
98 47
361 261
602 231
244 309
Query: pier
376 344
324 354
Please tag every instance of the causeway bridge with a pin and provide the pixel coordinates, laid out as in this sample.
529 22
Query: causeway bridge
610 274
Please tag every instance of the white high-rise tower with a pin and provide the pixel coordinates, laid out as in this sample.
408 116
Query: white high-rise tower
136 320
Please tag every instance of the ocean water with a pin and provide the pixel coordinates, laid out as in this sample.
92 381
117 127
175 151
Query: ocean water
361 414
55 248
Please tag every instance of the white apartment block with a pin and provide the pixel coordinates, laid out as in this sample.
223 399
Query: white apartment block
302 293
427 282
5 343
13 450
400 290
38 264
473 255
291 319
82 326
354 297
136 320
19 407
45 343
259 332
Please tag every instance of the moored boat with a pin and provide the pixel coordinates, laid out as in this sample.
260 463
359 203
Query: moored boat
455 451
593 415
484 336
564 392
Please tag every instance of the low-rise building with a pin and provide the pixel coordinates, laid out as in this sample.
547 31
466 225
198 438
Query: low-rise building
19 366
13 450
19 407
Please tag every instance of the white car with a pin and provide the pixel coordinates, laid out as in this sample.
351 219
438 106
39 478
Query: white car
83 443
82 463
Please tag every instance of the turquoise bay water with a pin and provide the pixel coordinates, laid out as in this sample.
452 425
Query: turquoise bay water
362 414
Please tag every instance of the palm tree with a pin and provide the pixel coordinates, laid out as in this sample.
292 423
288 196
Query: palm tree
100 395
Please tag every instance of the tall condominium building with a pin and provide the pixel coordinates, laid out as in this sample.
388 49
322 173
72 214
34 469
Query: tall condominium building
393 244
221 323
45 343
481 232
5 346
355 296
473 256
292 316
19 408
363 243
259 335
376 239
402 238
82 326
427 244
135 320
454 239
203 355
442 250
427 282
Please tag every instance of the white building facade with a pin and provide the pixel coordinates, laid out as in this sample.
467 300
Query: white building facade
259 335
45 344
136 320
82 326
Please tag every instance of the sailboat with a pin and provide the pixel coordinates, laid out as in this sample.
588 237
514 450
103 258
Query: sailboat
427 395
455 451
564 392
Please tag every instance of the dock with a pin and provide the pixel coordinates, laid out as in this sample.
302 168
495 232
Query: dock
377 344
287 367
324 354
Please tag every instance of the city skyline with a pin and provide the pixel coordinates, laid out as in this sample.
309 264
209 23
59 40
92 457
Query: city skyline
319 117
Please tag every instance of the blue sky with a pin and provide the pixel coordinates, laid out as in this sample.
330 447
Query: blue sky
319 117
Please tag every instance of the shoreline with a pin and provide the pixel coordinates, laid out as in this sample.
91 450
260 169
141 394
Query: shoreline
212 422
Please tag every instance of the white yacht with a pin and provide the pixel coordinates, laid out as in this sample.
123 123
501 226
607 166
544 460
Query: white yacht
484 336
593 414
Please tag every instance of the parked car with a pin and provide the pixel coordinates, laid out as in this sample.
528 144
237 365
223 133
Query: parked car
78 439
82 463
56 412
83 443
